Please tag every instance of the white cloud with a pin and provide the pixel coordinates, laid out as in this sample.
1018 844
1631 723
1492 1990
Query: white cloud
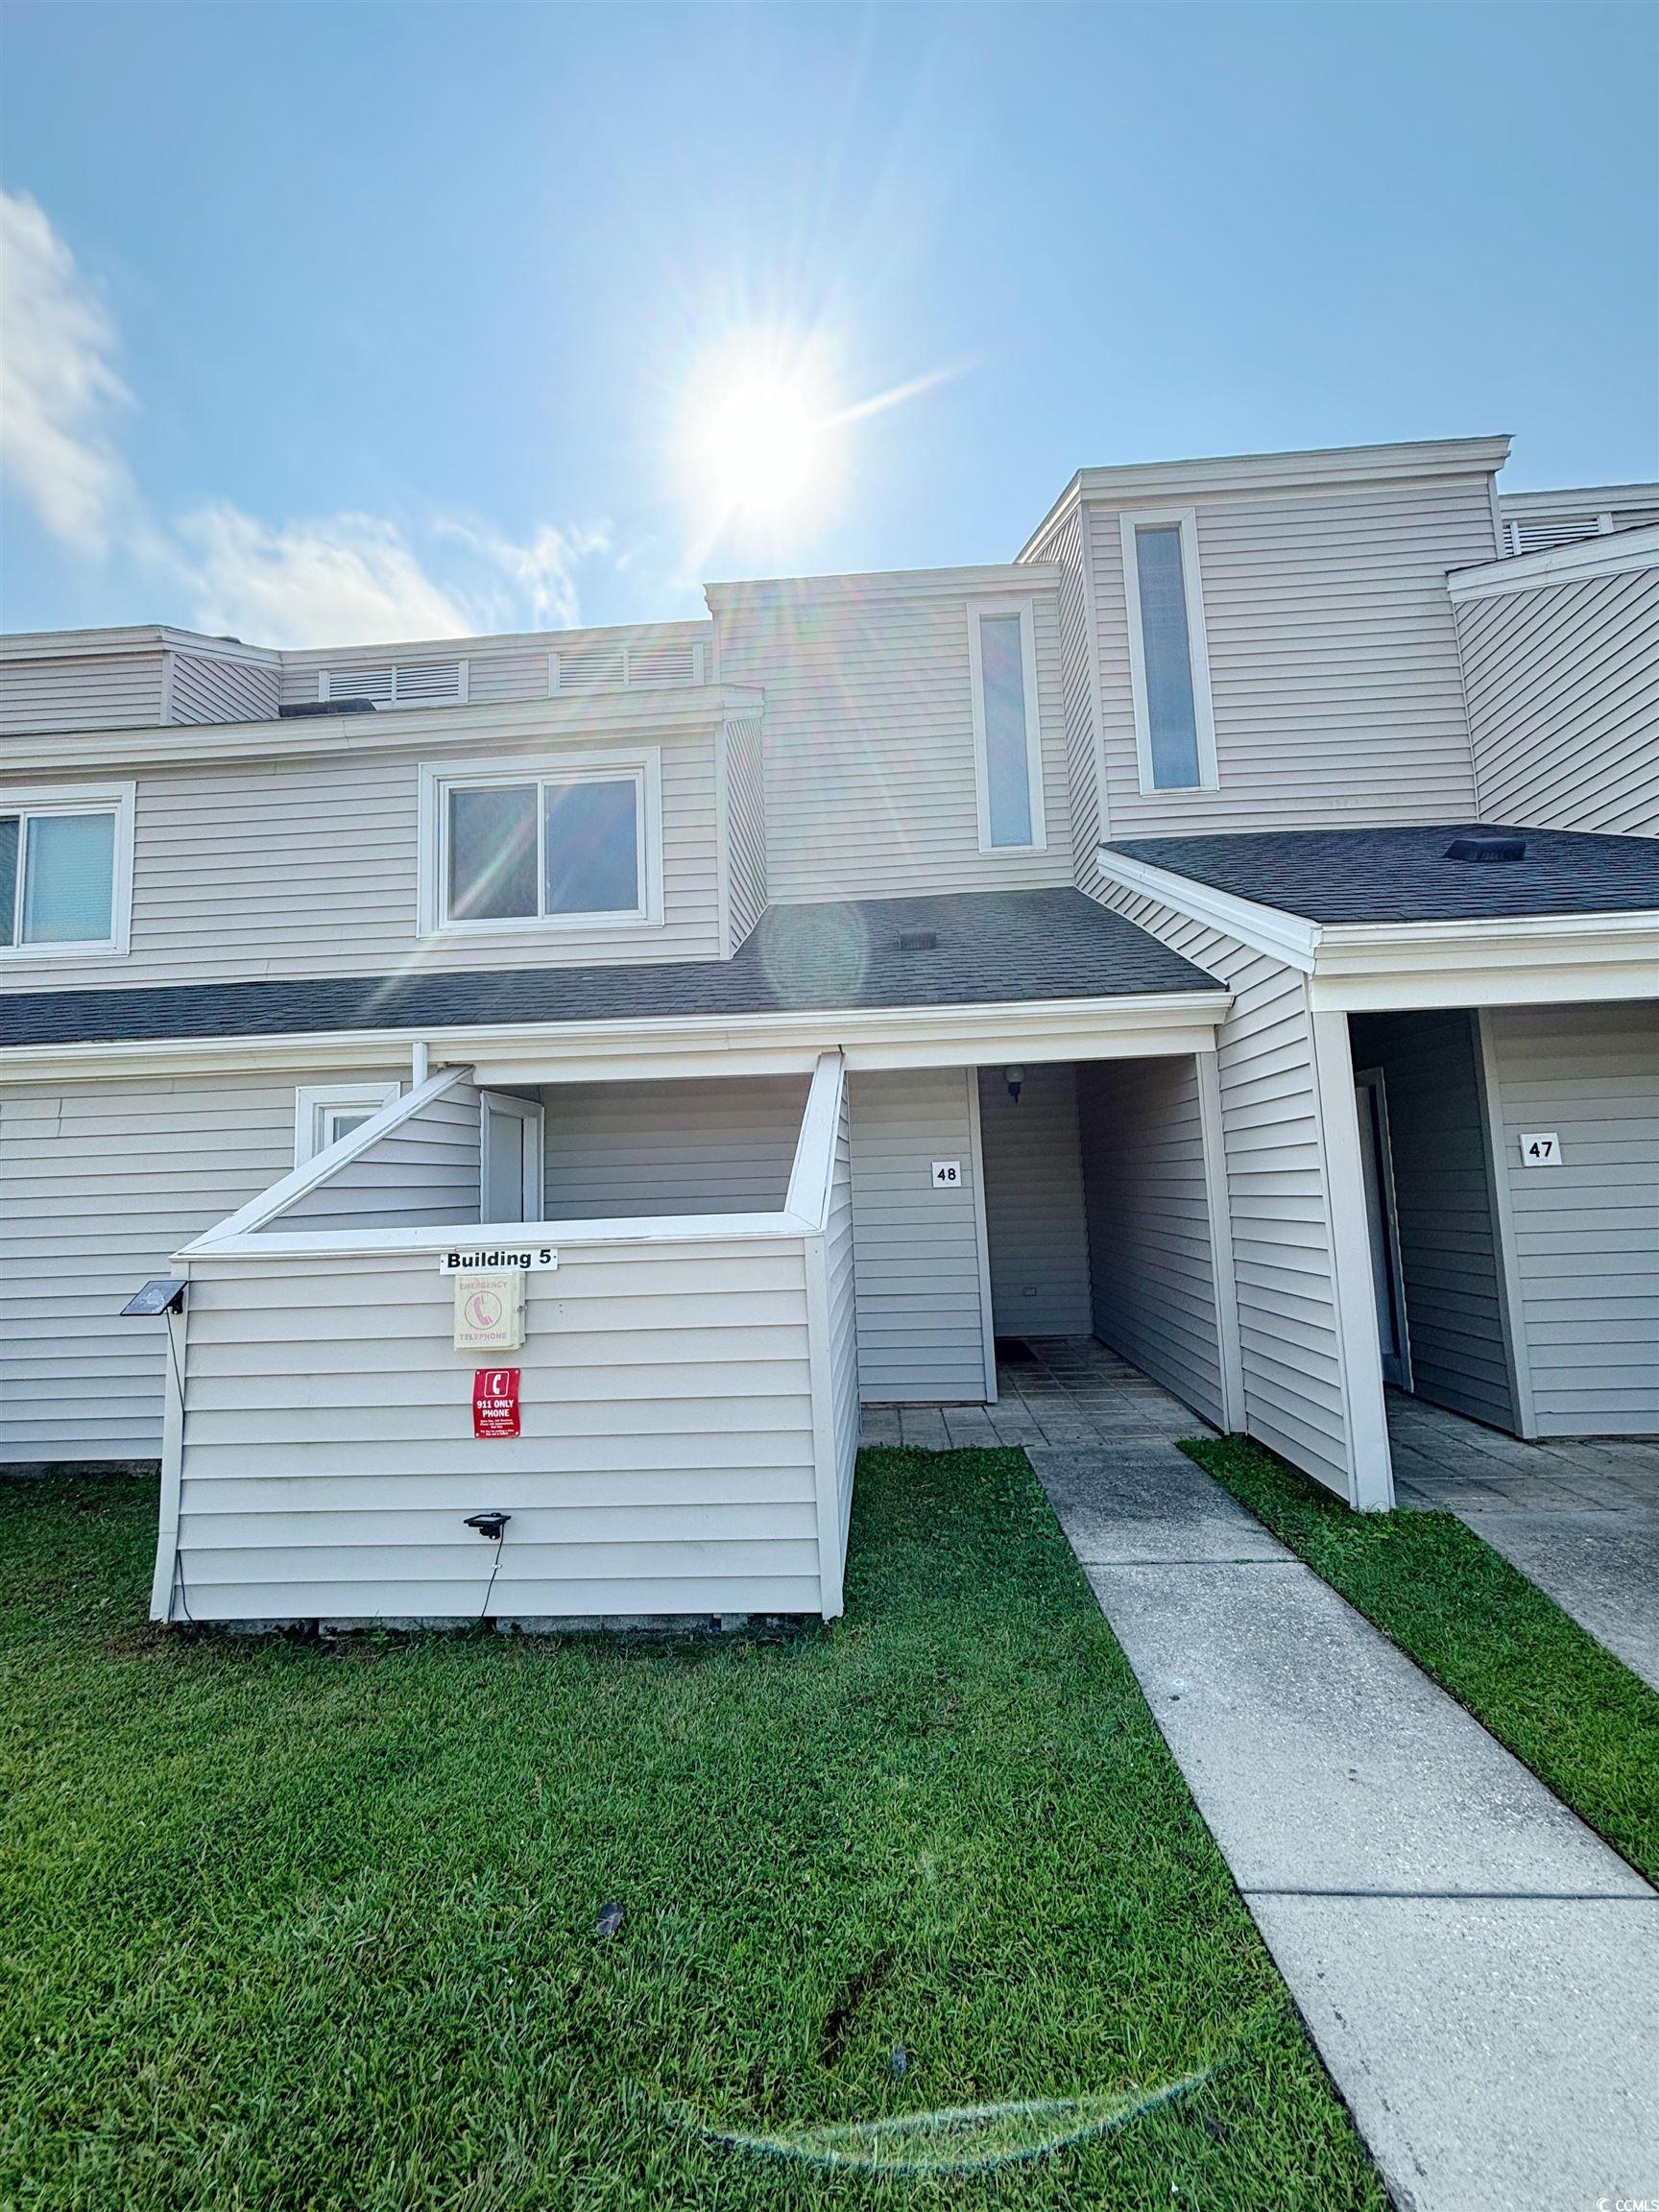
334 579
342 580
59 391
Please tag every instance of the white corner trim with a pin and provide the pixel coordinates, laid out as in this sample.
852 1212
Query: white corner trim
1286 937
981 1236
1358 1347
1020 609
812 1170
323 1166
1616 554
118 799
1184 519
1511 1304
1212 1130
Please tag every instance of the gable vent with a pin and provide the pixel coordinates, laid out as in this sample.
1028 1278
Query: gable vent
404 684
618 667
1549 530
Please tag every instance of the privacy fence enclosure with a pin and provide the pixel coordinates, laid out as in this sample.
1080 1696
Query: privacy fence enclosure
688 1396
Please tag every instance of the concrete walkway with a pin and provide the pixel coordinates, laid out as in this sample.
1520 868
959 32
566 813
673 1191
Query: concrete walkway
1475 1966
1581 1518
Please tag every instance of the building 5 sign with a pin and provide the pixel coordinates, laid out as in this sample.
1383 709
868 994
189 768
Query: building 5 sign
495 1402
535 1257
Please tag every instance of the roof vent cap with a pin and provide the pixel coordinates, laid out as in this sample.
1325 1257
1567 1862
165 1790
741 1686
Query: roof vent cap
918 939
1486 849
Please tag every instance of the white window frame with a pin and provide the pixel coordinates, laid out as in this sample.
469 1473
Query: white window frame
1197 647
643 764
529 1111
35 800
313 1101
977 611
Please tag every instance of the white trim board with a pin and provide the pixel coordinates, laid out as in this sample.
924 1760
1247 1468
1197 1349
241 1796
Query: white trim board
1616 554
1126 1026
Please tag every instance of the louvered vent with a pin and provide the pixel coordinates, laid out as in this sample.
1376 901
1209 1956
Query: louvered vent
406 684
587 668
680 663
1541 532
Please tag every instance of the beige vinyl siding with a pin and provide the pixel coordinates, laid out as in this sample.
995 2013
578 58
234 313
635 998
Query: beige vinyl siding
1277 1197
721 1146
1563 685
917 1250
665 1465
427 1171
102 1184
1154 1283
746 826
497 668
1443 1200
97 691
1064 545
870 763
1034 1203
309 867
206 688
1586 1232
1332 659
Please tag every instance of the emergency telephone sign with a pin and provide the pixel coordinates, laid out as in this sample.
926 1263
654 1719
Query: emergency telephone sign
490 1311
495 1402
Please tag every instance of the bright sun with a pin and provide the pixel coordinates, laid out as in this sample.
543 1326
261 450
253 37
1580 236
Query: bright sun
757 439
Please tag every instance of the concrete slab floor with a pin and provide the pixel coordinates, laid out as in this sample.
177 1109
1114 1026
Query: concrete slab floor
1600 1567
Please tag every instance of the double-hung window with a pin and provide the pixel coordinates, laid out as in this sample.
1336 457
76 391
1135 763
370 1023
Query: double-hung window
65 869
514 846
1007 739
1169 665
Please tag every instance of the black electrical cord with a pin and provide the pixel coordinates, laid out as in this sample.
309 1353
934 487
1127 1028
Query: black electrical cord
494 1571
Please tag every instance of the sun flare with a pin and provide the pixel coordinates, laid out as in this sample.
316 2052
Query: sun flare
757 437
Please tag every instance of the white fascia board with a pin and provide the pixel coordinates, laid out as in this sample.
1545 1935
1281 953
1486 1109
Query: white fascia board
886 584
1324 467
1287 937
423 1243
428 730
1574 496
1530 960
1618 554
322 1166
1129 1026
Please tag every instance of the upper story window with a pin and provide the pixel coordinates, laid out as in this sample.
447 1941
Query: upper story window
324 1113
65 871
519 846
1169 665
1007 739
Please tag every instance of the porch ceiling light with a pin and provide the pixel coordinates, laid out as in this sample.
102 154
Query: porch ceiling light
1014 1077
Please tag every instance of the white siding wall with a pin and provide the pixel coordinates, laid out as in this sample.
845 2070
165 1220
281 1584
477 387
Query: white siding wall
1154 1284
1063 544
665 1465
1034 1204
426 1171
723 1145
1332 660
917 1250
102 1184
746 830
309 867
1563 685
101 691
209 689
1283 1247
1586 1234
1448 1243
870 779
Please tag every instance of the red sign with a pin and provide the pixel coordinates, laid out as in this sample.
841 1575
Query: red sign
495 1402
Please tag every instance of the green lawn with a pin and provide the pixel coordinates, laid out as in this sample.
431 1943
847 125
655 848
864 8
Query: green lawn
297 1926
1577 1716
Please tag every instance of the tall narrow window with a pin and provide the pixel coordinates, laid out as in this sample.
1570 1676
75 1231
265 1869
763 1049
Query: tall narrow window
1174 732
1008 761
63 866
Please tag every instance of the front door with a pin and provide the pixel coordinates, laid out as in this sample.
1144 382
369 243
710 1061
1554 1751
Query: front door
1377 1165
512 1162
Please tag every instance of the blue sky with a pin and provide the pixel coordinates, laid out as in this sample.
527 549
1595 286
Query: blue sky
355 320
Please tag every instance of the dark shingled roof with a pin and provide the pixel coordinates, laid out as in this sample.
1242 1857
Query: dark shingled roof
992 946
1404 875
